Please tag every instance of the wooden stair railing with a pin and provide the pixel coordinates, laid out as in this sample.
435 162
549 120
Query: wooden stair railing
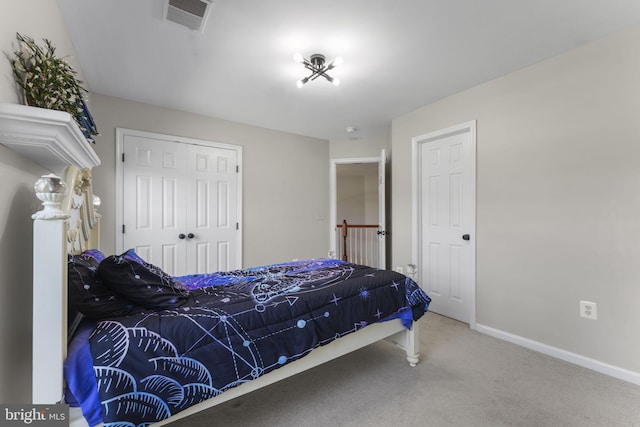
344 228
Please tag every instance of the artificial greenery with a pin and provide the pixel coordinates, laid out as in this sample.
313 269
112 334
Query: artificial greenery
50 82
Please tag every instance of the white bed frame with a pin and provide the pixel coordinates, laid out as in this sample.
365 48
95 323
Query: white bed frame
69 224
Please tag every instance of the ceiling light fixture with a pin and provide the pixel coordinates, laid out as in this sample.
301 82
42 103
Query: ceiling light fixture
316 64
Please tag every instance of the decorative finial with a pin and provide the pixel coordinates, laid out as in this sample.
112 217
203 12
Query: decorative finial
50 189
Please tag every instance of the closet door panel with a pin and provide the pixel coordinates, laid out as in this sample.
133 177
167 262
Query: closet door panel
154 195
212 174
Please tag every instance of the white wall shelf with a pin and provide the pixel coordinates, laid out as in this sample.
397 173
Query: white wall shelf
48 137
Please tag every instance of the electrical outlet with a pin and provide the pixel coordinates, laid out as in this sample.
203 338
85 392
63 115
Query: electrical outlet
400 270
589 310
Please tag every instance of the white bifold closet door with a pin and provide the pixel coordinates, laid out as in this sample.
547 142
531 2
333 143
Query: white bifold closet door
179 205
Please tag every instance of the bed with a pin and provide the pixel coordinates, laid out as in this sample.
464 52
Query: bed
158 348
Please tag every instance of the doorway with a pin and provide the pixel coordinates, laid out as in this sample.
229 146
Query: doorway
358 214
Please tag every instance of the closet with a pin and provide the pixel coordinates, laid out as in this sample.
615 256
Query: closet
180 202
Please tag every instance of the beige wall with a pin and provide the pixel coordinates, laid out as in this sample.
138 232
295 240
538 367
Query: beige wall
359 147
37 19
558 197
350 199
357 197
285 178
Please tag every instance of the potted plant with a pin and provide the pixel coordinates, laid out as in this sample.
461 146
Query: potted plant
50 82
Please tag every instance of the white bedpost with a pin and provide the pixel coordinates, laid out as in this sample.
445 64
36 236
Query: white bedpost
412 346
49 291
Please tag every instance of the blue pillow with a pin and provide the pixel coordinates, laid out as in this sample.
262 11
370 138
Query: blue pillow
140 282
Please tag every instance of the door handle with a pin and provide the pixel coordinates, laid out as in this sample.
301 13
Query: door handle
466 237
181 236
190 236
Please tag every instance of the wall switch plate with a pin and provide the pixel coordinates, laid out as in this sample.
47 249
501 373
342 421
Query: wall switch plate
589 310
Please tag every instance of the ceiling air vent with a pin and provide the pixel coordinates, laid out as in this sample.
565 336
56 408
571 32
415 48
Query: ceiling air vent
188 13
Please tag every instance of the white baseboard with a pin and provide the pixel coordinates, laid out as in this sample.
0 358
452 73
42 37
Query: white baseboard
585 362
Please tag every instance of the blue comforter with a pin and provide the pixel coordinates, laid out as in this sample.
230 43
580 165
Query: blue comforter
235 327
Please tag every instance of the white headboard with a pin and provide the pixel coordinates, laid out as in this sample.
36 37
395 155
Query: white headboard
68 223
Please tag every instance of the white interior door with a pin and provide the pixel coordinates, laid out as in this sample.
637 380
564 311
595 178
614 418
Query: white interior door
444 215
211 227
180 202
155 197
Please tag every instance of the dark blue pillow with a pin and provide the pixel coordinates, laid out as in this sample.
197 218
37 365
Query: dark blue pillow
89 295
141 282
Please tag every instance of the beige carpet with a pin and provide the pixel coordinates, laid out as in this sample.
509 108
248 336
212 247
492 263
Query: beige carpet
464 378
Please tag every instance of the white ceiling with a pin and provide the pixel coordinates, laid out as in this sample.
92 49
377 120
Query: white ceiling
398 55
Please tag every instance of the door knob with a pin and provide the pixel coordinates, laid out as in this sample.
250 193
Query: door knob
466 237
181 236
191 236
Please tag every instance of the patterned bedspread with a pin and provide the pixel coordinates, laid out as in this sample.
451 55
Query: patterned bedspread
235 327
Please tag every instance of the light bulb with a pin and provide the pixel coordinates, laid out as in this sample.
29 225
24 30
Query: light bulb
300 83
337 61
297 57
336 81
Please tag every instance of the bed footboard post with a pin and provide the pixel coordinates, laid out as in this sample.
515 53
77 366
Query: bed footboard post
49 292
413 342
413 345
